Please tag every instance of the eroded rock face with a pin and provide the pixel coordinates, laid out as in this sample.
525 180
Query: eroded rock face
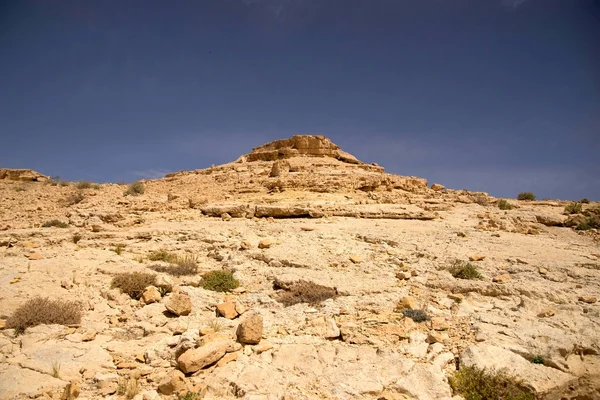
23 175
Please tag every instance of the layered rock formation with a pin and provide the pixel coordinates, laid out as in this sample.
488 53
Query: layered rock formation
23 175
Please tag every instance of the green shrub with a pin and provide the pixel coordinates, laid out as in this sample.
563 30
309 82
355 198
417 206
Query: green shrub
182 266
190 396
55 223
86 185
584 201
163 255
464 270
415 315
133 283
303 292
135 189
474 383
526 196
538 359
118 249
573 208
504 205
219 281
43 311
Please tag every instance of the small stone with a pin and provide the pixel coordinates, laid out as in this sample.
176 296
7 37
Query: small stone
250 329
407 302
263 346
245 245
588 299
151 295
266 243
71 391
542 271
179 304
503 278
403 275
88 335
477 257
356 258
226 217
547 312
35 256
227 310
435 337
227 359
66 284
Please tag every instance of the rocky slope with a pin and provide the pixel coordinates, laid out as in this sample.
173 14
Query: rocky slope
296 209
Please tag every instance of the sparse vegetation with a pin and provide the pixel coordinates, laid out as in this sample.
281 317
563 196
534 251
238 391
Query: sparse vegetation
464 270
128 387
474 383
538 359
219 281
74 198
482 200
573 208
133 283
43 311
526 196
504 205
135 189
55 223
86 185
118 248
584 201
19 189
303 292
187 265
216 326
162 255
76 237
415 315
190 396
56 370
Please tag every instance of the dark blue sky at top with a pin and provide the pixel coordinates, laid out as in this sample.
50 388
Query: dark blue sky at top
493 95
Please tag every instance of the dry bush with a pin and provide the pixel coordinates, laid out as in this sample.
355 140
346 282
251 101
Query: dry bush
303 292
219 281
73 198
86 185
463 270
133 283
55 223
135 189
526 196
573 208
182 266
474 383
43 311
163 255
504 205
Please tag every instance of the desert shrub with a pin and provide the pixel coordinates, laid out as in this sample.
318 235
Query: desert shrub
55 223
584 201
481 200
135 189
73 198
584 226
191 396
86 185
76 237
538 359
573 208
464 270
182 266
415 315
162 255
504 205
128 387
133 283
118 249
219 281
43 311
303 292
526 196
474 383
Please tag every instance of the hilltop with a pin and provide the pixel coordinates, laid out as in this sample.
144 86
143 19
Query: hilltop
353 283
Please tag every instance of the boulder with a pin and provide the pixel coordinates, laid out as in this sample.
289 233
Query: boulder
195 359
227 310
22 175
550 219
179 304
175 382
250 329
436 187
151 295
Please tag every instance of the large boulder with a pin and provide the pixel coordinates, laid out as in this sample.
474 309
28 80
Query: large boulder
22 175
195 359
250 329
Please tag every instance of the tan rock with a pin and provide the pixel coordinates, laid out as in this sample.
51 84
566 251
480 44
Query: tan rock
151 295
227 310
356 258
175 382
436 187
477 257
407 302
245 245
227 359
35 256
403 275
266 243
2 323
250 329
195 359
588 299
88 335
503 278
263 346
439 324
71 391
226 217
179 304
547 312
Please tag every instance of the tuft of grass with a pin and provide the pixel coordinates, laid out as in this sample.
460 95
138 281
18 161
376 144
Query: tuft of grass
56 370
464 270
128 387
504 205
182 266
162 255
55 223
43 311
538 359
216 326
76 237
135 189
219 281
573 208
190 396
118 248
303 292
73 198
133 283
86 185
526 196
415 315
474 383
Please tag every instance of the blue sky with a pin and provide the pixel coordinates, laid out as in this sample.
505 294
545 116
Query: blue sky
493 95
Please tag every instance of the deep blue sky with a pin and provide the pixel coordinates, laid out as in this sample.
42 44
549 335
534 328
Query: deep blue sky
494 95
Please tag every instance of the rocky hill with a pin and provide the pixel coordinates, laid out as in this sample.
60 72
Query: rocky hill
352 284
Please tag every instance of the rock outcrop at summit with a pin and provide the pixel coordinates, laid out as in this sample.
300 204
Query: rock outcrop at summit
22 175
